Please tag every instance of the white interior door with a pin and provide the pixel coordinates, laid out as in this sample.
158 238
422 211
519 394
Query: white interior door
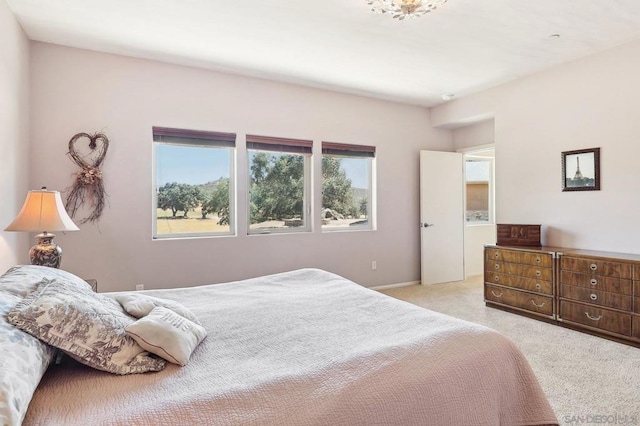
441 216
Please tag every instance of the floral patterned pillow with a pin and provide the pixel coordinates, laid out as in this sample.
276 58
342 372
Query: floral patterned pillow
88 326
23 361
21 280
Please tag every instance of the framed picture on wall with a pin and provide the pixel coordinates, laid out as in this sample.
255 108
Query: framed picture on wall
581 170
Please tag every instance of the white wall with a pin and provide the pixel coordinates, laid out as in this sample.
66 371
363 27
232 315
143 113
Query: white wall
592 102
14 135
75 90
474 135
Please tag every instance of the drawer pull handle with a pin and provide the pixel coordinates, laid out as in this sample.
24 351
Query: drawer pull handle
496 295
593 282
496 266
594 297
496 278
593 266
538 286
536 305
598 318
538 273
496 255
538 260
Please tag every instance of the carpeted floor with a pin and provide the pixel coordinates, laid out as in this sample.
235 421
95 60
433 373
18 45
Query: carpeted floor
588 380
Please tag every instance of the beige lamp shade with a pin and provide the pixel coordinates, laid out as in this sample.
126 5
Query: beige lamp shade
42 211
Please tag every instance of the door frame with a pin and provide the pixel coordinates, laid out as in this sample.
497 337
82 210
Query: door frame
476 235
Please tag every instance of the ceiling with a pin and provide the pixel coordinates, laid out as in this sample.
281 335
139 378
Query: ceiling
463 47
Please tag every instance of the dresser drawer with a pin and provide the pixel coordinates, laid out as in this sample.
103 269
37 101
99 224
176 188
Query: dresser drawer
597 282
602 298
600 318
636 272
636 327
523 283
518 299
519 269
522 257
636 293
596 267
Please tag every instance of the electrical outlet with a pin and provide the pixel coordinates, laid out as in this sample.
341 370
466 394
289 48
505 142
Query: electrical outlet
139 287
374 265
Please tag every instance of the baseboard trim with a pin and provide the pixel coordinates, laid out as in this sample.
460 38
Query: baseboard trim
388 286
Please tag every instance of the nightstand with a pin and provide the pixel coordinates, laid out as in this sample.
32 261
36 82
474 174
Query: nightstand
93 283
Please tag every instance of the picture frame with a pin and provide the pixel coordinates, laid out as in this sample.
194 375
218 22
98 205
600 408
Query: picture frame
581 170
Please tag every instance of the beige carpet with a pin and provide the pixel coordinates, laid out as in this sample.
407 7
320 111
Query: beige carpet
588 380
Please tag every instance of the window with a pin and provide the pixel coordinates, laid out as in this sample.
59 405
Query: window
479 188
278 184
193 185
347 186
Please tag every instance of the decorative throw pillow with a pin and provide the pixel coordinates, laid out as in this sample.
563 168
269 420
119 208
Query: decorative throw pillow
139 305
88 326
167 334
23 279
23 361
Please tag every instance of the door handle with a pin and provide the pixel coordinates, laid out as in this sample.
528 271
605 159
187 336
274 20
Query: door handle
426 225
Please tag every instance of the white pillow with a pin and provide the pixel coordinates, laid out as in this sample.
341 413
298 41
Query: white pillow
167 334
139 305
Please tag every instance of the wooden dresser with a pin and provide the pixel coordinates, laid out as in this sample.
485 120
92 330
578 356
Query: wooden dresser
635 320
596 292
592 291
521 279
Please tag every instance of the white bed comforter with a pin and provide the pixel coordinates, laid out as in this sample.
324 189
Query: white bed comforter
309 348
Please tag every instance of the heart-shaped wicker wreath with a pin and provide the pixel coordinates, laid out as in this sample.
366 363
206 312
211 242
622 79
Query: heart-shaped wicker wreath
88 184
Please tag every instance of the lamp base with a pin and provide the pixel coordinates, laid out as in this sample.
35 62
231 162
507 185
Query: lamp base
46 253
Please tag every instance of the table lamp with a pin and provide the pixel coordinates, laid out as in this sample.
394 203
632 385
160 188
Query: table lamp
43 211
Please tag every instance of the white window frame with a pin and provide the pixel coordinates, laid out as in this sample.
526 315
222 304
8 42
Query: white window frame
197 139
277 145
354 151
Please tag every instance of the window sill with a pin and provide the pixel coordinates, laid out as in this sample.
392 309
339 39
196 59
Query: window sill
345 229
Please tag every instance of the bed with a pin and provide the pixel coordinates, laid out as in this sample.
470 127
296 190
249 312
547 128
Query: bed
308 347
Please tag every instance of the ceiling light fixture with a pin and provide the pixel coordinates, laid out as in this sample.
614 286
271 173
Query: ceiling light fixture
404 8
447 96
